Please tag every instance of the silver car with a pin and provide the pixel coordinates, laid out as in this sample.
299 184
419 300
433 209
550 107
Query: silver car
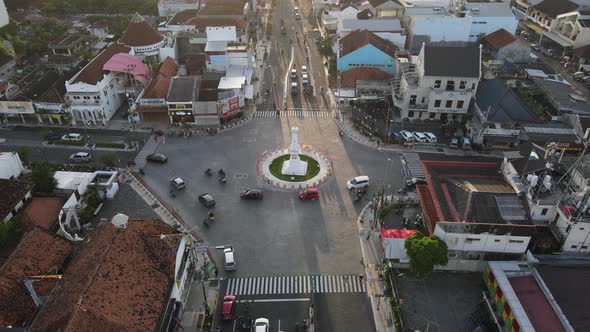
80 157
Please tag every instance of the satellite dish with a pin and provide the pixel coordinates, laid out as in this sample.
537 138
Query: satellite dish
120 220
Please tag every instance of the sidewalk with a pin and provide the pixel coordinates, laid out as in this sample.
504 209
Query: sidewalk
372 259
195 307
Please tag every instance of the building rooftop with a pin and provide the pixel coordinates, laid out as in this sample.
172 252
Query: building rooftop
560 93
553 8
373 25
168 68
38 253
361 38
65 41
226 8
140 33
120 280
349 78
182 89
451 60
203 22
93 72
208 87
365 14
13 191
489 9
42 212
181 17
235 82
499 39
501 103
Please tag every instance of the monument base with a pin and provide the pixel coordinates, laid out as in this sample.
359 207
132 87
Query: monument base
294 167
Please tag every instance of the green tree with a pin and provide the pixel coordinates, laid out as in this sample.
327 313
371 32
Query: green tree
11 232
23 153
42 176
426 252
42 33
108 159
326 47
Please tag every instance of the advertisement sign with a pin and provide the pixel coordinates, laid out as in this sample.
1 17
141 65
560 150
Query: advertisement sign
231 104
152 101
16 107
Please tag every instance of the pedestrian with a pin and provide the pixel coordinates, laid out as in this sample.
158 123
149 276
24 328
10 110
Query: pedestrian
155 138
361 277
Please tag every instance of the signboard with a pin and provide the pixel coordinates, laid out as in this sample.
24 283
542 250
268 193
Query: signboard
231 104
16 107
152 101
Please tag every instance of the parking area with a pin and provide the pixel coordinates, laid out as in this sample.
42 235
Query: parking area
441 301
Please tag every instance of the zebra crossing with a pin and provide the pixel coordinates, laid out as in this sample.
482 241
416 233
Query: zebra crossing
295 285
294 114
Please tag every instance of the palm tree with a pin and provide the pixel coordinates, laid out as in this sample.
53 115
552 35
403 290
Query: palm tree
326 47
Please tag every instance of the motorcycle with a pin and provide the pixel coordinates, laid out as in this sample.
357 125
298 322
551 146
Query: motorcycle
208 172
222 179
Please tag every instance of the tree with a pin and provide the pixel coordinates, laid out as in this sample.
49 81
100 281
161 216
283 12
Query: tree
23 154
43 180
426 252
326 47
108 159
42 33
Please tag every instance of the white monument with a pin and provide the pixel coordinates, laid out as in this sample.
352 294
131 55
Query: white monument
294 166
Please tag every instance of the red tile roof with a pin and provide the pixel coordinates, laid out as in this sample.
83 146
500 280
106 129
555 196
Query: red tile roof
181 17
169 68
38 253
140 33
361 38
158 88
93 73
349 78
499 39
42 212
120 280
13 191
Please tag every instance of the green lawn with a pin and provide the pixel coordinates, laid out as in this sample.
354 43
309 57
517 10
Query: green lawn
313 168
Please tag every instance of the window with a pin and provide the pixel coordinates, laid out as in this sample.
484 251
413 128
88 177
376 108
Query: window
472 86
574 247
516 241
437 84
544 212
454 117
450 85
432 115
460 104
76 97
496 240
449 104
86 97
413 100
462 84
469 240
422 100
584 247
437 103
419 115
410 114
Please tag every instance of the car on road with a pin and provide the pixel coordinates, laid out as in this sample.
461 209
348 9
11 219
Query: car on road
454 143
72 137
251 194
52 137
261 325
156 158
297 16
414 181
407 136
228 308
358 182
304 70
293 74
229 259
309 194
304 80
178 183
207 200
430 137
80 157
294 88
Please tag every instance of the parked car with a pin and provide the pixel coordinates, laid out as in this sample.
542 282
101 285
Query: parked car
228 308
178 183
454 143
304 79
72 137
229 259
419 137
52 137
251 194
358 182
396 136
80 157
407 136
261 325
466 143
293 73
458 133
207 200
414 181
156 158
430 137
309 194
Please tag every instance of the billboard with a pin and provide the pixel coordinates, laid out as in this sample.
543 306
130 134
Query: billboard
231 104
16 107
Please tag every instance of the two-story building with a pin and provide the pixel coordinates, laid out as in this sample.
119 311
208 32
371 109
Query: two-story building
362 49
151 103
385 8
66 52
504 46
441 84
181 94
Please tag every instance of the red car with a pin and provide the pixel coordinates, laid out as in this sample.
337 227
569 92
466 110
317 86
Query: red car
228 308
309 194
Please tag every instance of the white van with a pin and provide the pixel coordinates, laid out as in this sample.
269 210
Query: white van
407 136
430 137
230 259
419 137
72 137
358 182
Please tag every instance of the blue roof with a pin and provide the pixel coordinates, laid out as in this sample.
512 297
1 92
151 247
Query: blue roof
503 102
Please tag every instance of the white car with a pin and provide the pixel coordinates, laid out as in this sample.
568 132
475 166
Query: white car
178 183
80 157
407 136
72 137
229 258
358 182
430 137
419 137
261 325
293 73
304 70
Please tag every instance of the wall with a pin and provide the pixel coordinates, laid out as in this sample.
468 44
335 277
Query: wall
395 37
109 103
483 242
515 52
578 239
369 56
482 26
10 165
3 14
537 212
583 38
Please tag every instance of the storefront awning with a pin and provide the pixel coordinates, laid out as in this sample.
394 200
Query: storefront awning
535 27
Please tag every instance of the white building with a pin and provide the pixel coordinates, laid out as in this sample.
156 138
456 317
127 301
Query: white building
144 40
11 166
442 84
170 8
4 19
